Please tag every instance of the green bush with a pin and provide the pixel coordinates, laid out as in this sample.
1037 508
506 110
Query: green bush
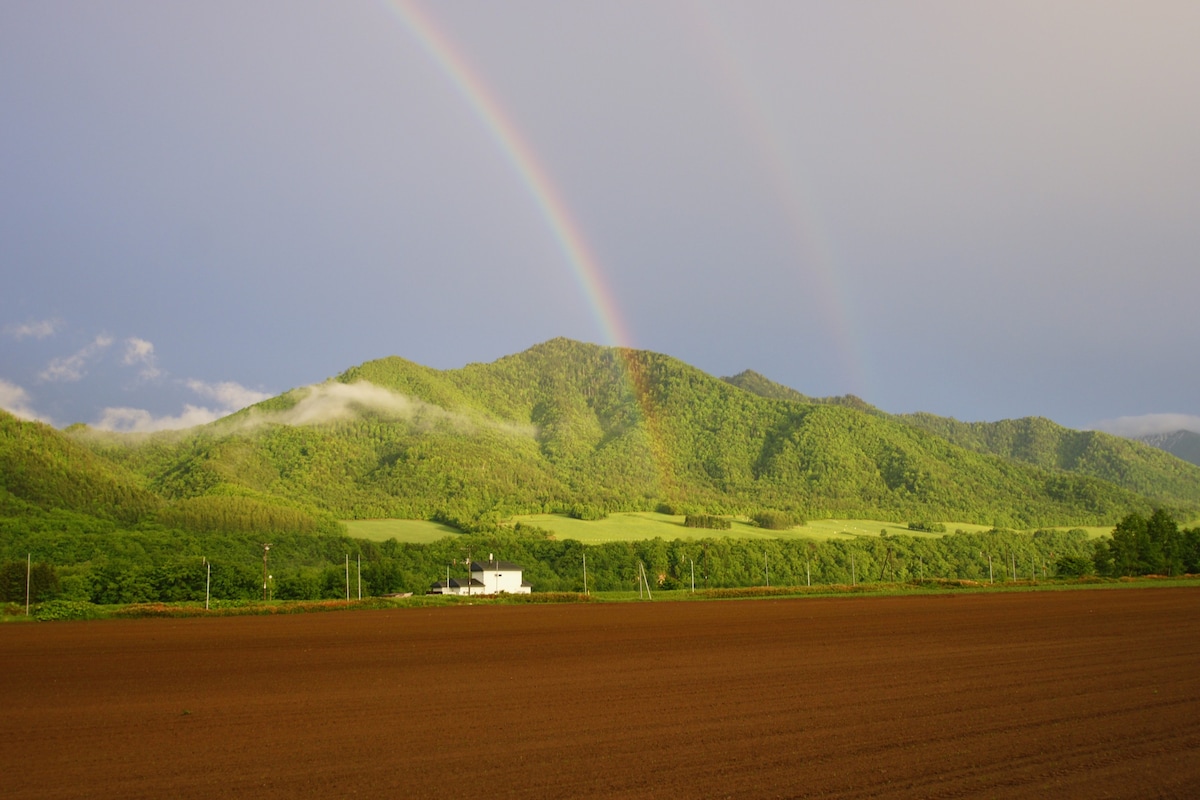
64 610
776 520
586 512
707 521
43 581
927 527
1074 567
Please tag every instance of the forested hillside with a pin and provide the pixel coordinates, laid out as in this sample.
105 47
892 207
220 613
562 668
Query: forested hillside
565 425
1126 463
762 386
42 469
1181 444
1132 465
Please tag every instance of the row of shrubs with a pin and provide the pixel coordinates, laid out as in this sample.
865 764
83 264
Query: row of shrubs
769 520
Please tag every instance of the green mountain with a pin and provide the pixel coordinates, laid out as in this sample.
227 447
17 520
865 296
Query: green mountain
762 386
43 469
1131 465
1042 443
1181 444
565 425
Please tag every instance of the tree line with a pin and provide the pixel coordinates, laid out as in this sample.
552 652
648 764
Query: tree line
127 567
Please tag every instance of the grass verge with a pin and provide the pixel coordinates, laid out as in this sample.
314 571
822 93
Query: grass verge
74 610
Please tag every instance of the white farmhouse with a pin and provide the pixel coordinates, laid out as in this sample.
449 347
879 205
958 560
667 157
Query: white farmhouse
487 577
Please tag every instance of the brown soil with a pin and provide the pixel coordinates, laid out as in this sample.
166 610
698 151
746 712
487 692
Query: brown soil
1070 694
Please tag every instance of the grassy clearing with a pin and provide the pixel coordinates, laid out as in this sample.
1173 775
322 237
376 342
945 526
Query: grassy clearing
641 525
416 531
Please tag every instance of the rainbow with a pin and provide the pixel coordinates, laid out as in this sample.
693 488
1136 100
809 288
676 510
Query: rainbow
567 233
787 174
582 261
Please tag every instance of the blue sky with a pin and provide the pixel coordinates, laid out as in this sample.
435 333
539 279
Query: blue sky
977 210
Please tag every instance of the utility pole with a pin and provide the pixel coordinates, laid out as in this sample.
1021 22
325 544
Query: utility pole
360 576
585 591
266 549
347 577
468 572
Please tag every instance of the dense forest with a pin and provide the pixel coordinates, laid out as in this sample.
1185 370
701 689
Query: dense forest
166 565
569 428
566 424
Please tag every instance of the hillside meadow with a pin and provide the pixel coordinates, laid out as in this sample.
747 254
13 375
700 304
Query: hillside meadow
637 526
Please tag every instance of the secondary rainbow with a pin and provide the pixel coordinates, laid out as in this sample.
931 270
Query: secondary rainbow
516 150
785 169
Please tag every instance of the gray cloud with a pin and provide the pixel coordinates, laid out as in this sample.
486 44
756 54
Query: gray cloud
1148 424
17 402
141 352
33 330
139 420
230 395
73 367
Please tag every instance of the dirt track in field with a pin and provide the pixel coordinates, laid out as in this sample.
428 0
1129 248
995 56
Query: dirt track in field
1069 694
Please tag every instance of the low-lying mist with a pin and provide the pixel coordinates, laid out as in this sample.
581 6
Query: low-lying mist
326 403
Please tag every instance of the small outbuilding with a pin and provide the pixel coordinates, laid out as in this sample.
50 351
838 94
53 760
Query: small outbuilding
487 577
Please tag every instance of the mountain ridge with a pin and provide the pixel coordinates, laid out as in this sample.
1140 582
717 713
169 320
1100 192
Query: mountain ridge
1182 444
565 424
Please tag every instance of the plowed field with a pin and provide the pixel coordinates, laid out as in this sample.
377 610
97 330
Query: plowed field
1067 694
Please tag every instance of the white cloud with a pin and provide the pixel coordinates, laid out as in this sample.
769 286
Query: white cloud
72 368
35 330
320 404
232 396
16 401
330 402
1148 424
139 420
140 351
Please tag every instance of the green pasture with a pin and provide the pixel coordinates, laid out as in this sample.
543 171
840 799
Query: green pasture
416 531
641 525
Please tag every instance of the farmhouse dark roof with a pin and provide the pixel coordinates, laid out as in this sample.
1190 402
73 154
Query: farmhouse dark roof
455 583
502 566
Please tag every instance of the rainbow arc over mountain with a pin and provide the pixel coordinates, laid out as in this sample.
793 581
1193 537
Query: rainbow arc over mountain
566 231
